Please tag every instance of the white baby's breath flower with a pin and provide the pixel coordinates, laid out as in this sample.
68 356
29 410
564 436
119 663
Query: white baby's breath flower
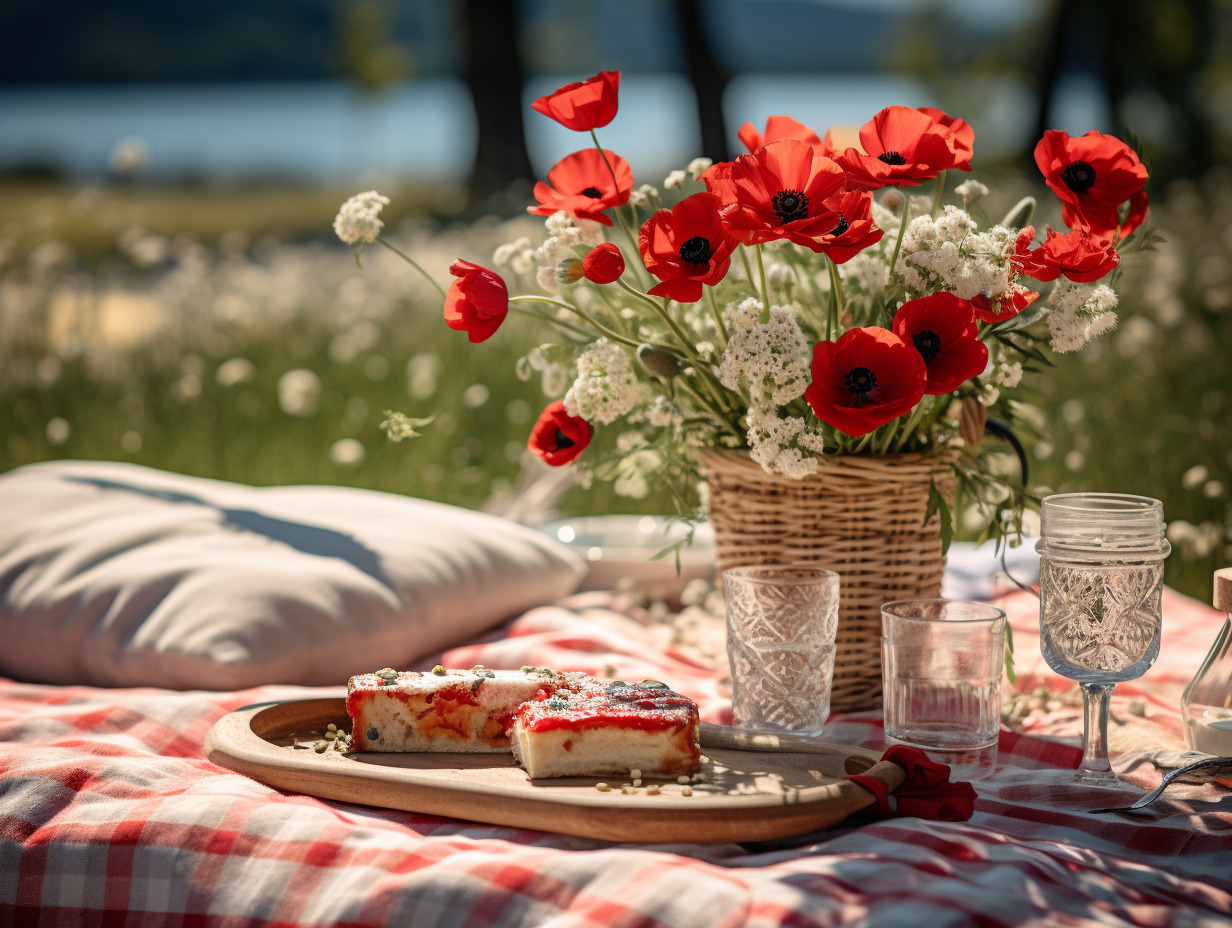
1007 374
505 254
545 277
674 179
970 191
699 166
771 358
643 195
606 386
357 222
989 394
773 443
1079 314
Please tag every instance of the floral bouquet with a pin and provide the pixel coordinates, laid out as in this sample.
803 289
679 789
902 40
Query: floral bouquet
795 303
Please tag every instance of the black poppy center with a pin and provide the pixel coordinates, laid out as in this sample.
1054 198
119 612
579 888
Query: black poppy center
593 192
1079 176
563 441
891 157
790 205
861 381
928 344
842 225
696 250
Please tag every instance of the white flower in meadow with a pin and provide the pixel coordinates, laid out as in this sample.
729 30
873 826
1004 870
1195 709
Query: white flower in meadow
772 358
1007 374
780 275
235 370
970 191
698 167
357 220
643 195
989 394
523 262
545 277
632 473
674 179
347 452
606 386
630 441
299 392
504 255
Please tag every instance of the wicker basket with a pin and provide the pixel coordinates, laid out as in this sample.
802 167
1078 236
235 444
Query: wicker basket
861 516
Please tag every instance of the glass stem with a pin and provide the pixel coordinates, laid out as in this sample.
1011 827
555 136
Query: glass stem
1095 763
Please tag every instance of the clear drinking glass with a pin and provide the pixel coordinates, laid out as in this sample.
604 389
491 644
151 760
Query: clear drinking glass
1206 705
942 662
781 623
1101 582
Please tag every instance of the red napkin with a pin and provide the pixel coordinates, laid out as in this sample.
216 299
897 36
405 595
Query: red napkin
926 793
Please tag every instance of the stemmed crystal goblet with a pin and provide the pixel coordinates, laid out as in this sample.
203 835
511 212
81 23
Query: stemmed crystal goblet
1101 582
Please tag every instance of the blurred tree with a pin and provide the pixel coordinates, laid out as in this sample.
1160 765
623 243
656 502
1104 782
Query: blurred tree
366 55
494 75
708 77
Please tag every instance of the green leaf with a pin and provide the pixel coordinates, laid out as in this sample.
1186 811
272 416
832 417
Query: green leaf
947 526
1020 215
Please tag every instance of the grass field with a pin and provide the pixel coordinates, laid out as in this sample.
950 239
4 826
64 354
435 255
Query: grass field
227 334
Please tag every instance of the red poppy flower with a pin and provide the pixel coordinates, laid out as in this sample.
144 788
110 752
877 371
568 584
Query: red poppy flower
943 330
477 302
1093 175
604 264
1078 255
778 127
1009 304
558 437
855 230
686 247
581 184
782 192
584 105
864 379
903 146
718 180
964 135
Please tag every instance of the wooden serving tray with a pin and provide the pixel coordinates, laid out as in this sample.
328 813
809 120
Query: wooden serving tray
759 787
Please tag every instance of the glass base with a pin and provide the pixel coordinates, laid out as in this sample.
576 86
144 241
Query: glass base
1094 776
966 762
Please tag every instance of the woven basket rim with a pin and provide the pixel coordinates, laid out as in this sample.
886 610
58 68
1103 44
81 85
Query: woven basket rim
897 464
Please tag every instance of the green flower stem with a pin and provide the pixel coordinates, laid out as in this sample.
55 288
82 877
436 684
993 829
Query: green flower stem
765 290
912 421
748 268
625 225
838 303
407 258
718 316
560 323
938 194
717 412
902 230
599 327
891 429
863 442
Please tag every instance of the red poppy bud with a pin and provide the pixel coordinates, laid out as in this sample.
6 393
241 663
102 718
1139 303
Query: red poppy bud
477 302
942 328
558 437
584 105
865 378
604 264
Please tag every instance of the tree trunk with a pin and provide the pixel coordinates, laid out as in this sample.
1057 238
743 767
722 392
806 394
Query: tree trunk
494 75
708 77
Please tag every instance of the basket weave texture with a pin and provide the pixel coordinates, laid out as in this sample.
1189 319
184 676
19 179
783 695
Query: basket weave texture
860 516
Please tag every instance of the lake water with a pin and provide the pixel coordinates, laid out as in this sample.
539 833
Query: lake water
326 132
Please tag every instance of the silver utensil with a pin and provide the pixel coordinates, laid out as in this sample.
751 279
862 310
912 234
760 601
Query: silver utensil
1210 764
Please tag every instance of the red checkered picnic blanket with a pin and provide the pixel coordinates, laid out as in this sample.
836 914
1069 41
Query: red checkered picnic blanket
110 815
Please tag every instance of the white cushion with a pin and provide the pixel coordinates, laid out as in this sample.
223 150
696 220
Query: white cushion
118 575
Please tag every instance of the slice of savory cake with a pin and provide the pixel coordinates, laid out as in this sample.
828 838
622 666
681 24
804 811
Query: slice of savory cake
444 710
556 724
585 728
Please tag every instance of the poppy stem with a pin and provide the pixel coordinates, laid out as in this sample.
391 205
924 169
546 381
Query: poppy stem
718 317
938 194
891 429
863 443
902 230
765 290
407 258
559 323
748 268
837 302
910 430
625 227
599 327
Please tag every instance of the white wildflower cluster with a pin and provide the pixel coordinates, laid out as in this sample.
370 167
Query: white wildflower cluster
1080 313
399 426
1007 374
772 358
518 256
782 445
357 220
950 253
634 473
698 166
660 412
674 179
970 191
606 386
644 195
565 234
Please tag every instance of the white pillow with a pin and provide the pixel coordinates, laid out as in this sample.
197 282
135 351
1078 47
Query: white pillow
118 575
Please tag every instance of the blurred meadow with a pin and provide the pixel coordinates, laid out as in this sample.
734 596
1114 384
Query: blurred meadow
213 325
